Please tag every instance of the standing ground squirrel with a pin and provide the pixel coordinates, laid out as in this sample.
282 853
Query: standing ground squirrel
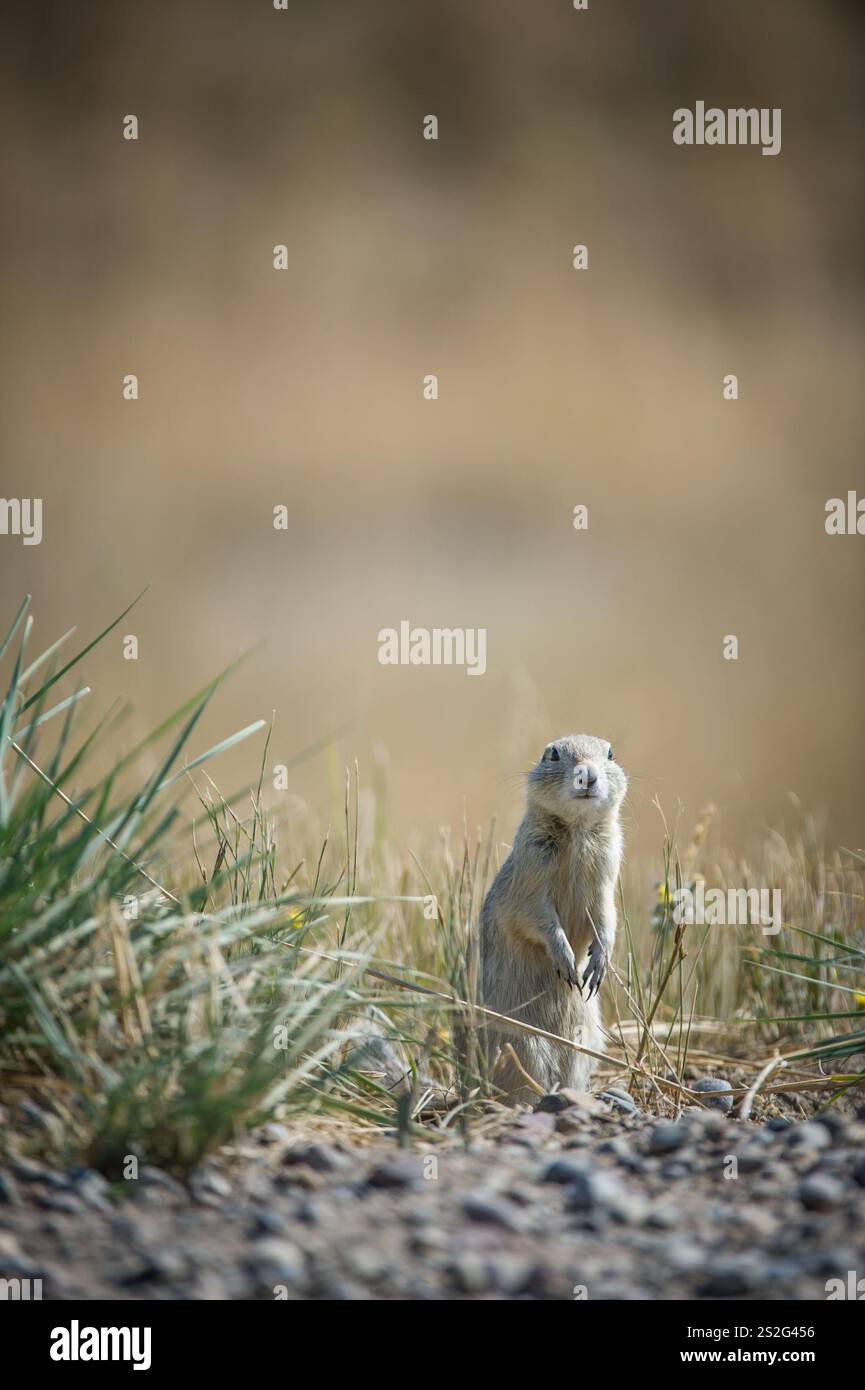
553 900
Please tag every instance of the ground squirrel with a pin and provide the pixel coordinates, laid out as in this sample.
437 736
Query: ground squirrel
552 902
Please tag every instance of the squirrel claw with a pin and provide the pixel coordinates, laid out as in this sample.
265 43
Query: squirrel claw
595 971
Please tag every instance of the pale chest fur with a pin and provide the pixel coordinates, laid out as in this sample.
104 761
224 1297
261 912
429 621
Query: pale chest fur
585 867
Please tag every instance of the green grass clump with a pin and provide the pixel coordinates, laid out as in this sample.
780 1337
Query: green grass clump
148 1018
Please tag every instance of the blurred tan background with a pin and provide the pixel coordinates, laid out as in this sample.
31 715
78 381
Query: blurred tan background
557 387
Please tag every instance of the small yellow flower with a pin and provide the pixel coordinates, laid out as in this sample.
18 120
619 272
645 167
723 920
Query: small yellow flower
860 1000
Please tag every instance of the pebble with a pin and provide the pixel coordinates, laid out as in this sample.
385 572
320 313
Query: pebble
512 1273
732 1277
684 1255
277 1261
674 1168
492 1211
157 1177
470 1273
707 1084
598 1190
152 1265
620 1100
91 1187
758 1222
322 1158
663 1218
819 1192
835 1123
368 1265
28 1170
552 1104
60 1201
618 1147
209 1186
266 1222
403 1171
808 1136
566 1170
429 1240
8 1189
668 1136
749 1160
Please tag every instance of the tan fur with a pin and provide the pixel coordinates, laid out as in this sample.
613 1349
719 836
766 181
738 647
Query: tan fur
548 924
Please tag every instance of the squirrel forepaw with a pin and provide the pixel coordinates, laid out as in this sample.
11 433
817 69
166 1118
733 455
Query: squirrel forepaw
565 962
596 969
570 976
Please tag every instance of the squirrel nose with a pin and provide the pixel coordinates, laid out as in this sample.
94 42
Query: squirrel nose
587 774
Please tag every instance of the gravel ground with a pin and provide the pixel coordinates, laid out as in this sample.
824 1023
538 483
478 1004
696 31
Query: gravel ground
580 1198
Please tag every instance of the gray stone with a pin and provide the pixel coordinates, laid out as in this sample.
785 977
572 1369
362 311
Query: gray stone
368 1265
600 1191
470 1273
60 1201
566 1170
808 1136
833 1122
750 1159
157 1177
91 1187
668 1136
733 1276
9 1194
674 1168
512 1273
491 1210
266 1222
552 1104
323 1158
404 1170
28 1170
663 1217
277 1261
207 1184
429 1240
820 1192
707 1084
684 1255
620 1100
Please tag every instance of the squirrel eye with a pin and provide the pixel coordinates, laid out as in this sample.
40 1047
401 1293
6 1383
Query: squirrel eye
610 754
554 755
